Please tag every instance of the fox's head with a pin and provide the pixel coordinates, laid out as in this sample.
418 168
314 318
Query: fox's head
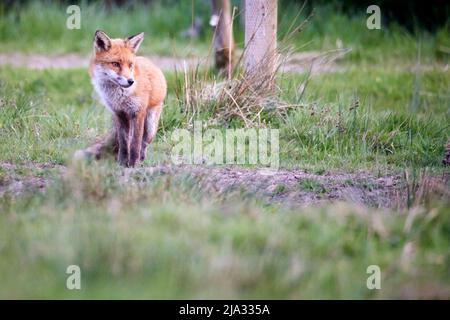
114 59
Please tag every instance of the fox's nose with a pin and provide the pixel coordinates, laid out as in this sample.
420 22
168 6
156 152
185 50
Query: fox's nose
130 81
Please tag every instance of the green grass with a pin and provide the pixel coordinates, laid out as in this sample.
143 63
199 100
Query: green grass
311 185
280 188
47 115
162 238
42 27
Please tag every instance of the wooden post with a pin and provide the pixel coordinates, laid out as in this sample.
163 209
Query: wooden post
223 36
260 55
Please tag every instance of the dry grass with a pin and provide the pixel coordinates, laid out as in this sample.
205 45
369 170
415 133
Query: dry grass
424 188
245 97
249 96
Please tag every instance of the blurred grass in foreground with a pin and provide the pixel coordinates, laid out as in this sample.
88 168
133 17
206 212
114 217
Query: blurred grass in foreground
160 237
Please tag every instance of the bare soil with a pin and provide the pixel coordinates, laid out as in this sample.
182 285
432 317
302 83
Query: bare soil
293 187
285 187
290 188
28 176
312 62
72 60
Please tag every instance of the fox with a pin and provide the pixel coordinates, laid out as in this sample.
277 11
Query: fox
133 89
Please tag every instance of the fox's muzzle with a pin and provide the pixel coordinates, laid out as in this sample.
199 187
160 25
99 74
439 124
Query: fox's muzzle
124 82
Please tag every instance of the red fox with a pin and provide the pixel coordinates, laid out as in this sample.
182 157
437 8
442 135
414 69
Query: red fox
133 89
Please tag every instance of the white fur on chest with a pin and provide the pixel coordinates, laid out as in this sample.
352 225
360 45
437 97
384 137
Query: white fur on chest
113 96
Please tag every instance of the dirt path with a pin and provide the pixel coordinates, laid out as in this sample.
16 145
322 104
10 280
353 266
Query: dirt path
299 62
69 61
313 62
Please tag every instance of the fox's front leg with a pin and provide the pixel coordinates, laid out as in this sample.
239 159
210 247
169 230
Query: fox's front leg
122 123
136 141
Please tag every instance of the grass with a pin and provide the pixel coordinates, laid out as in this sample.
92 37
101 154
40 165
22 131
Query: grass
311 185
154 237
162 238
32 29
141 235
46 115
280 188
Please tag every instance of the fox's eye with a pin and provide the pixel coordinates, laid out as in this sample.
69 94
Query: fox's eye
115 64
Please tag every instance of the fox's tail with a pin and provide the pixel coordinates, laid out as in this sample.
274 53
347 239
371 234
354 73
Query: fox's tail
102 146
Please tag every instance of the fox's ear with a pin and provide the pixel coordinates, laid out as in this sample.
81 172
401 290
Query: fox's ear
134 42
101 41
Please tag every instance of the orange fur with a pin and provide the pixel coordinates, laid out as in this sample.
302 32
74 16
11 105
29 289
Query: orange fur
133 88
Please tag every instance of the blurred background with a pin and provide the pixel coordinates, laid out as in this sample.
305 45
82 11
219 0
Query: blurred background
182 27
